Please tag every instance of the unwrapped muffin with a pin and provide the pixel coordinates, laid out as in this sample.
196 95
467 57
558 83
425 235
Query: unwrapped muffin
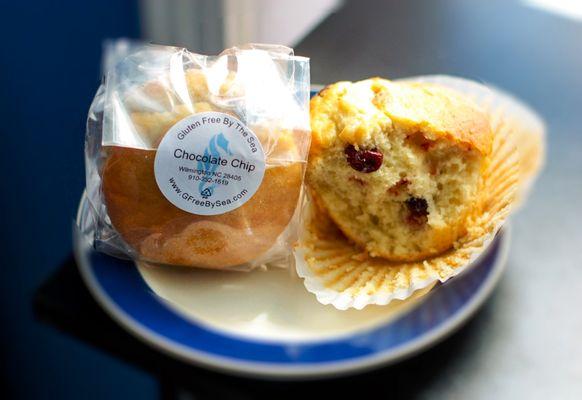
397 166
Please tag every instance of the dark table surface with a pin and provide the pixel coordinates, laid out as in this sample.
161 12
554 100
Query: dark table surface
525 342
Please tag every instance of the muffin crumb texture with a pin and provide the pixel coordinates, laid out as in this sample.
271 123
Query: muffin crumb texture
397 166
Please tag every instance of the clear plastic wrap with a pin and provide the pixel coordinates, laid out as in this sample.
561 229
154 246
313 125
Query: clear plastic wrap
197 160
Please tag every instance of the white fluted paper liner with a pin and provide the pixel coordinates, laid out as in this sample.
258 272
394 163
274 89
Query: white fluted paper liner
336 249
343 275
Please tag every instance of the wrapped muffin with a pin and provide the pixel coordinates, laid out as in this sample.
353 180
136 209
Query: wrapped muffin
198 161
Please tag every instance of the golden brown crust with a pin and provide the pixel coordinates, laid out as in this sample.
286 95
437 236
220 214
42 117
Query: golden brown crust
337 111
162 233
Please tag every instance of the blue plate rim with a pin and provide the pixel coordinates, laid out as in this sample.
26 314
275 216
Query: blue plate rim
268 370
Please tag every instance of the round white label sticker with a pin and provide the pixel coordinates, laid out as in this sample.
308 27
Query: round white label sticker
209 163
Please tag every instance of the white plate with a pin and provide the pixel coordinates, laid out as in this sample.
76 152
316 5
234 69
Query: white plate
266 324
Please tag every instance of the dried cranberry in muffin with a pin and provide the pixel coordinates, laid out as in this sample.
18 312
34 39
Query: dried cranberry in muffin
417 211
363 160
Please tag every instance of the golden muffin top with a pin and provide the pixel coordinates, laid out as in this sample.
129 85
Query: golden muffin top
355 112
